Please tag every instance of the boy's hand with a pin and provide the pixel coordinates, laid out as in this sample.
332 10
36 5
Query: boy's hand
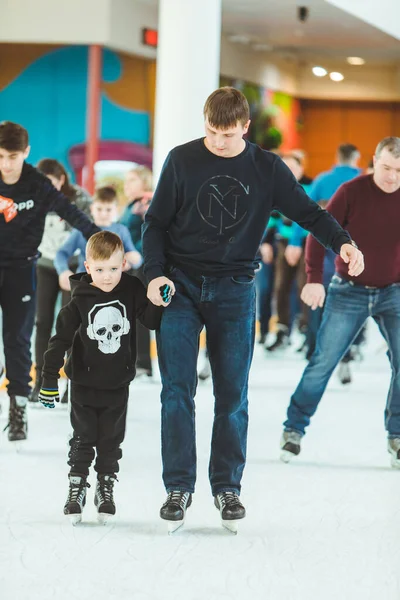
64 282
154 293
48 396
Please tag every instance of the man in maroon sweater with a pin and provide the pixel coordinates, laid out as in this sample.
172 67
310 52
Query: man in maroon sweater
369 208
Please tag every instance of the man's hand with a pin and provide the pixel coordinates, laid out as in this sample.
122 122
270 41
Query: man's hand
293 254
313 294
153 290
47 397
354 258
63 280
267 253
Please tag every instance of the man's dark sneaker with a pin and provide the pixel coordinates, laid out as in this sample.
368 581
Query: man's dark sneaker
290 445
17 420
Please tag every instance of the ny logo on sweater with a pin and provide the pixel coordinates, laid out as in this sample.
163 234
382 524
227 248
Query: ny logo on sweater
221 202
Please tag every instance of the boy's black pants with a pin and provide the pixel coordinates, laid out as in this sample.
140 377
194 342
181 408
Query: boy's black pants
17 301
98 419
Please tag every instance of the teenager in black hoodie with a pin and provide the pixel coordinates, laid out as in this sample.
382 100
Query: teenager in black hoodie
100 325
26 198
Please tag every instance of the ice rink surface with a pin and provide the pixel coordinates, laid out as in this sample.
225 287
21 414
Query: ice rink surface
326 526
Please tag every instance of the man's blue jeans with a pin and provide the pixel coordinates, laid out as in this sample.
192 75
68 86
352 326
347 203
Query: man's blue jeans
226 307
346 310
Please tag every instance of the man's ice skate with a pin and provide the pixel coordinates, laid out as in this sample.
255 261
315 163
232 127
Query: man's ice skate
174 509
76 498
104 498
290 445
231 510
344 373
17 420
394 450
281 341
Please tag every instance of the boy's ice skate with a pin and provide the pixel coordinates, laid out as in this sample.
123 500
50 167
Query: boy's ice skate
394 450
76 498
290 445
174 509
231 510
104 498
17 421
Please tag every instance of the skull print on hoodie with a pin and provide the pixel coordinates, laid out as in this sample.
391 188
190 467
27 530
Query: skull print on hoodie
100 329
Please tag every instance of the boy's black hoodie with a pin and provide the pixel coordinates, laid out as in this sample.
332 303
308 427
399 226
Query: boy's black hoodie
101 328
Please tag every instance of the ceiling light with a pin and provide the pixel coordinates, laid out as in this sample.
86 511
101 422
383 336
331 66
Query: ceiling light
239 39
336 76
355 60
319 71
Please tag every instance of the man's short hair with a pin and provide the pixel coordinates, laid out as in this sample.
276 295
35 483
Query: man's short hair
392 145
347 153
226 107
102 245
105 194
13 137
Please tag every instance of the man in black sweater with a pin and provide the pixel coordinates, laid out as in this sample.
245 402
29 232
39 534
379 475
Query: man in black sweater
201 237
26 196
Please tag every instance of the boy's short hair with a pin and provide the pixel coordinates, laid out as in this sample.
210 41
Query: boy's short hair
13 137
105 194
102 245
226 107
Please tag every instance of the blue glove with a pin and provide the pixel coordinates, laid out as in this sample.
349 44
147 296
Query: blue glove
48 396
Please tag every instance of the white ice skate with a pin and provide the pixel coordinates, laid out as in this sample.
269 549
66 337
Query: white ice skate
394 451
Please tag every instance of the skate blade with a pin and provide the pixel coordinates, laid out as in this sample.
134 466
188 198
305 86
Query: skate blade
286 456
174 526
105 518
74 519
231 526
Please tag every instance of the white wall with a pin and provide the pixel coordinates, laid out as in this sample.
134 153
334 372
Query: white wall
384 15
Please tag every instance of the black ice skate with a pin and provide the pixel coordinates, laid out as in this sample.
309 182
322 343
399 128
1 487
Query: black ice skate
281 341
17 420
104 499
290 445
174 509
76 498
231 510
34 396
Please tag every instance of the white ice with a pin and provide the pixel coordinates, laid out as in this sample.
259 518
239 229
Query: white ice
326 526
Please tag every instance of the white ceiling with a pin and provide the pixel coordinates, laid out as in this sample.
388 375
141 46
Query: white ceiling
328 32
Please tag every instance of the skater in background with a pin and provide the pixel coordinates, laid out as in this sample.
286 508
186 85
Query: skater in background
56 232
99 324
201 237
369 208
26 198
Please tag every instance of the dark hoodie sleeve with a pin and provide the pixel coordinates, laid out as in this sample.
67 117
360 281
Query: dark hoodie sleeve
292 201
148 313
67 324
69 211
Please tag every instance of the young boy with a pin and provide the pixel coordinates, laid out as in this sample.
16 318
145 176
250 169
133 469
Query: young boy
100 325
104 209
26 197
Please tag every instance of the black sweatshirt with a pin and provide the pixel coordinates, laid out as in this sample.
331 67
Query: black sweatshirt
209 213
101 327
23 209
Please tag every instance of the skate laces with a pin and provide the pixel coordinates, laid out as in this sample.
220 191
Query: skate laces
105 489
228 499
179 498
77 490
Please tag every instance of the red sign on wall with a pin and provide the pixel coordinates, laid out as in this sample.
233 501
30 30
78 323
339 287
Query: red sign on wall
150 37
